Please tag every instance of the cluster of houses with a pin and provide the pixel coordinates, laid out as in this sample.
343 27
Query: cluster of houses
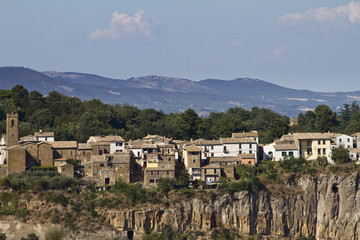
105 159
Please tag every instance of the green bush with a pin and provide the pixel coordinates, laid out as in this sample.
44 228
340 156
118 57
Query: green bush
38 180
58 198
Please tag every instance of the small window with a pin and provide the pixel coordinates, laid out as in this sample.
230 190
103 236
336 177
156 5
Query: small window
151 172
340 140
319 151
250 146
212 154
194 160
167 172
291 153
249 162
101 165
319 142
169 158
283 154
270 154
239 145
348 139
151 181
12 123
324 151
250 152
212 147
240 152
324 142
138 153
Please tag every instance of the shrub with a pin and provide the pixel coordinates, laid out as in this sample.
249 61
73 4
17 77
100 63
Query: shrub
38 180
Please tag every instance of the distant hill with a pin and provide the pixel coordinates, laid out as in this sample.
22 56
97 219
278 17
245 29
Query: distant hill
175 94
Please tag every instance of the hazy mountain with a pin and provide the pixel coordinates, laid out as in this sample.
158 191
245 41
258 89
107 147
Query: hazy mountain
175 94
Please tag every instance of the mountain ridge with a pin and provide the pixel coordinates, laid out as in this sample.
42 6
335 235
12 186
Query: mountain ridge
173 94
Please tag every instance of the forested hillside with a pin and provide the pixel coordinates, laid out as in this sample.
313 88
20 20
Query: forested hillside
73 119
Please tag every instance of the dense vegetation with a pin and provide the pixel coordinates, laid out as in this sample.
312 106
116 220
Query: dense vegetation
73 119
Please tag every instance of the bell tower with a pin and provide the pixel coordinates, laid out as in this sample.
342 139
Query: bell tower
12 129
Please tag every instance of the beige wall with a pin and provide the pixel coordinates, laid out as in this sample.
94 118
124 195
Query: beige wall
152 176
314 146
189 158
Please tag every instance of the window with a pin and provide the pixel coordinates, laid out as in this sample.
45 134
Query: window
249 162
308 142
283 154
167 172
250 152
319 142
324 142
101 165
119 144
239 145
319 151
151 172
194 160
291 153
340 140
224 148
270 154
324 151
309 152
212 147
99 152
212 154
250 146
138 153
168 150
151 181
348 139
12 123
169 158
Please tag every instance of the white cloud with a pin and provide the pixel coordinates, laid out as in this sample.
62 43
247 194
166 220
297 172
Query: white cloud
349 13
122 24
280 51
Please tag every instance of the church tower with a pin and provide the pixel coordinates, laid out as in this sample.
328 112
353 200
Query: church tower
12 129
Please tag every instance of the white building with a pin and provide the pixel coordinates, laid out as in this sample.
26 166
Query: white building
117 143
44 136
345 141
3 150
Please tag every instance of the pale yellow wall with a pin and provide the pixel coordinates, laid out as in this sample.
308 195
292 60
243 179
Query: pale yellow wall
314 145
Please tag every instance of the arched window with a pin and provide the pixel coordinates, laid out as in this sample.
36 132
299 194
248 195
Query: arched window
12 123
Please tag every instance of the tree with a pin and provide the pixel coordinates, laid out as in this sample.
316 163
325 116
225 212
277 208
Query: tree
31 236
183 180
3 236
325 118
340 155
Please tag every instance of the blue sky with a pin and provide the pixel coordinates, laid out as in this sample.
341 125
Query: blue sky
302 44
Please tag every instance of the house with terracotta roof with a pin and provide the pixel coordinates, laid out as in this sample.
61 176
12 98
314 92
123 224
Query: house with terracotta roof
192 161
63 150
116 143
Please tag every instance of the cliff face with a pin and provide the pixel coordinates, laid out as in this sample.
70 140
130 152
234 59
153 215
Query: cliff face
324 207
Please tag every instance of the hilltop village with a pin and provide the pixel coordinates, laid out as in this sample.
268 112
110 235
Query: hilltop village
105 159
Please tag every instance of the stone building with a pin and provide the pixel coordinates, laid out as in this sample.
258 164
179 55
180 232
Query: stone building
63 150
107 168
12 130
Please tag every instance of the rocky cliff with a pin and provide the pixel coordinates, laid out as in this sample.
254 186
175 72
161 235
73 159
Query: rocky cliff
324 207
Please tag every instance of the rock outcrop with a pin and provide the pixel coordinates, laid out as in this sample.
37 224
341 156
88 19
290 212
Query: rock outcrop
326 207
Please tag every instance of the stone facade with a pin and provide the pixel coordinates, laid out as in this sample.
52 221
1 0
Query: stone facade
16 159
